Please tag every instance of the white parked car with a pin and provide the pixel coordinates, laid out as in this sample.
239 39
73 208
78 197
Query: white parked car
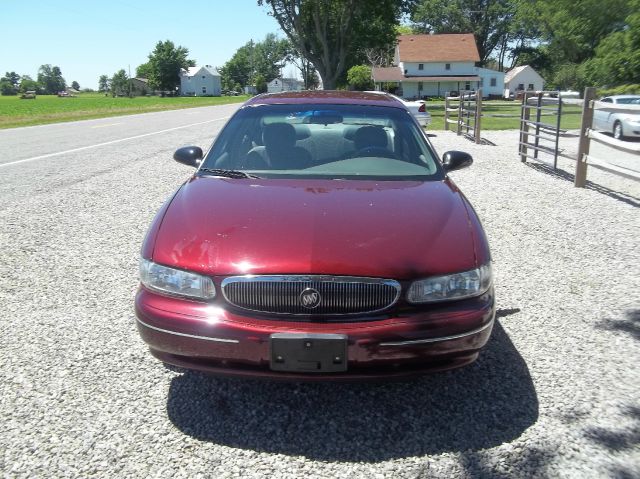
418 108
621 123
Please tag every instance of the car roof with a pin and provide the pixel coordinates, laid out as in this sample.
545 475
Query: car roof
619 97
329 97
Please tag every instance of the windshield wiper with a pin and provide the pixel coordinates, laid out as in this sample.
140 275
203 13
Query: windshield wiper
228 173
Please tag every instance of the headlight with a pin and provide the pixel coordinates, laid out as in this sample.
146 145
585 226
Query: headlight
452 286
174 281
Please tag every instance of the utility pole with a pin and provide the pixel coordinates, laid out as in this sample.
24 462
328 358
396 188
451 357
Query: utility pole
130 95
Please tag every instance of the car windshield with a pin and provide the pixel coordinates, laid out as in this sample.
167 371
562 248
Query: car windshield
324 141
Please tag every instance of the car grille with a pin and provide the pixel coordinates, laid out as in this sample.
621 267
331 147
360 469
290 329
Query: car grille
298 295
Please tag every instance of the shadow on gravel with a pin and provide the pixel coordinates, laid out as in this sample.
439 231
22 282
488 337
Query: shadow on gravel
486 404
563 175
630 325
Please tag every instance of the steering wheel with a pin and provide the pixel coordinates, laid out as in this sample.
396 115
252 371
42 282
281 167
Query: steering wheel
378 151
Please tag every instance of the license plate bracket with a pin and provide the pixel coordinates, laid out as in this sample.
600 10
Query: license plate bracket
308 352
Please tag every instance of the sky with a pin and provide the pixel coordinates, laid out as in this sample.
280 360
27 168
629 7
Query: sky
90 38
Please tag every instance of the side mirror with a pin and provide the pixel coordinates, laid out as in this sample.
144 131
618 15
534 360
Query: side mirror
189 155
456 160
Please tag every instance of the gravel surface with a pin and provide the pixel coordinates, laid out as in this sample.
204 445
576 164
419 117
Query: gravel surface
554 395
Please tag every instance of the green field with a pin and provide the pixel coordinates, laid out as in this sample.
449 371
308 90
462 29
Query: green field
15 112
570 119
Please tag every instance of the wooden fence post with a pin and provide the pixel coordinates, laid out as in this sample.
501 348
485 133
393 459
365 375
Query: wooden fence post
460 113
583 146
446 113
478 124
524 128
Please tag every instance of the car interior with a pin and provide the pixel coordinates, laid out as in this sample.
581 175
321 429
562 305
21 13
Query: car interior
322 141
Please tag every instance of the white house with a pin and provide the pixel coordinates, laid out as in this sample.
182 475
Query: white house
200 81
432 65
284 84
522 78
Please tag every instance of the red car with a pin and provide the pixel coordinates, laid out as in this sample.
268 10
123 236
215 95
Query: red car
319 238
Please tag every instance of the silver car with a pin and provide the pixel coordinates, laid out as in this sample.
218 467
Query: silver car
418 108
621 123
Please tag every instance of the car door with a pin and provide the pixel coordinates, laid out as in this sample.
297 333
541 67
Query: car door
601 118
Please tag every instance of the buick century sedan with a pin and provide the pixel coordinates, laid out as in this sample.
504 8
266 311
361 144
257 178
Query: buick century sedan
319 238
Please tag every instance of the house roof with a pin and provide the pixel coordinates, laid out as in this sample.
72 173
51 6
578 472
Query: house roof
511 74
448 47
191 71
389 74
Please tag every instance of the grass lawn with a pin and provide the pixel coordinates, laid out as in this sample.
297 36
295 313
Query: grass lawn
570 119
15 112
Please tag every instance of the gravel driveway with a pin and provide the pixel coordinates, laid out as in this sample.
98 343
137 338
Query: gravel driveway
556 394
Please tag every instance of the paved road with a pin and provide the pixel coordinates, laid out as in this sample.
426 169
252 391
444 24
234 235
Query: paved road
554 395
43 158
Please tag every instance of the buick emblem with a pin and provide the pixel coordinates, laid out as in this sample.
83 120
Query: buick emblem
310 298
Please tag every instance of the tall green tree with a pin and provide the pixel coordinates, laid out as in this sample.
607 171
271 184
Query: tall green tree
51 80
29 84
256 60
144 70
488 20
104 83
165 63
617 56
13 78
75 85
119 83
9 83
332 34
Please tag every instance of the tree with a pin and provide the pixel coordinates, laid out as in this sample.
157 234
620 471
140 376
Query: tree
75 85
488 20
104 84
165 63
617 57
256 60
332 33
29 84
359 77
13 78
143 71
6 87
120 83
9 83
51 80
572 30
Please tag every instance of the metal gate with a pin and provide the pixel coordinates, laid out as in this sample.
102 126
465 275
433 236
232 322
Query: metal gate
535 134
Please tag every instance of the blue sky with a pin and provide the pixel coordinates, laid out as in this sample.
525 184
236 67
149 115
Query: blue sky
90 38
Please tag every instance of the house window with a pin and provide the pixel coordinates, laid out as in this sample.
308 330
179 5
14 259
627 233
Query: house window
467 86
493 81
419 86
204 89
520 86
531 87
203 77
447 66
420 66
481 81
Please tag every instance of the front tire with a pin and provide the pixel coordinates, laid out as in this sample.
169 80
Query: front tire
617 131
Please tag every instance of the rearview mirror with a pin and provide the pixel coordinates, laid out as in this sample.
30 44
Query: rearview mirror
189 155
456 160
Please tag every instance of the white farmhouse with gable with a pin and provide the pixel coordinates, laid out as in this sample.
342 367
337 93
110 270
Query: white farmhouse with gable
200 81
432 65
522 78
284 84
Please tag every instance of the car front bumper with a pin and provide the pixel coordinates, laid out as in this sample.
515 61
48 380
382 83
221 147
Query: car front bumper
209 338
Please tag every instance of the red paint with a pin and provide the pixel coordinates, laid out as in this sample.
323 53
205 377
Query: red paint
402 230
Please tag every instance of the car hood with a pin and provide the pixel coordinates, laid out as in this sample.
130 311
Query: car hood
392 229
